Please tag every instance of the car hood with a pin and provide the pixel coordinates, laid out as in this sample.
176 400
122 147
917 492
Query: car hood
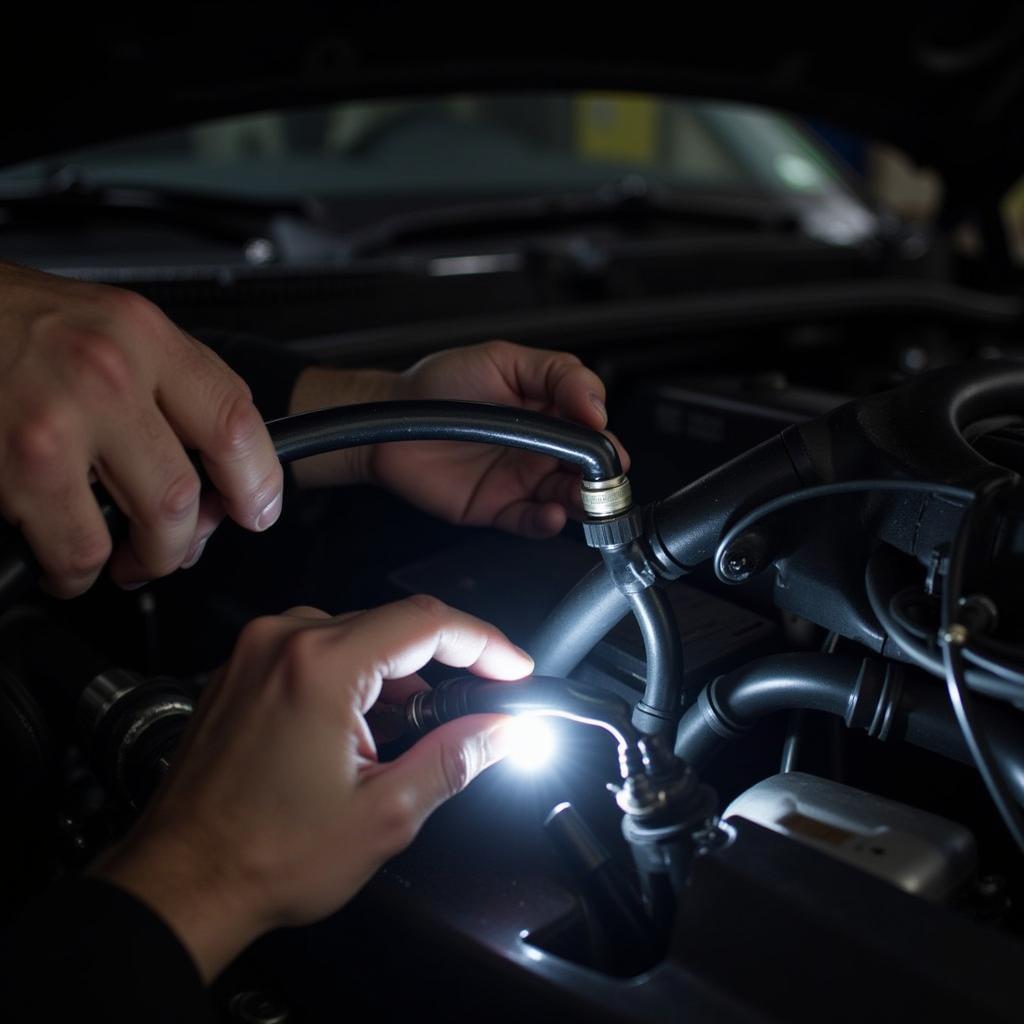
945 82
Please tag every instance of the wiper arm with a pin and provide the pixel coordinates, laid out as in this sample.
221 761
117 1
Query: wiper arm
631 199
222 215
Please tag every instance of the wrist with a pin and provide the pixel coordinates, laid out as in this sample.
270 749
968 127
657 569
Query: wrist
210 911
320 387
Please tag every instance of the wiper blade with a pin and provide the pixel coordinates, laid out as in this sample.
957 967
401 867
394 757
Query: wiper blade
631 200
63 195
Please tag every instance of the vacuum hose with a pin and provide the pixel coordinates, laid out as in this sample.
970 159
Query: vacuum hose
883 698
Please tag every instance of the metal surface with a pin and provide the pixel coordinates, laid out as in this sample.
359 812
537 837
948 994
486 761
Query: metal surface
922 853
604 498
102 693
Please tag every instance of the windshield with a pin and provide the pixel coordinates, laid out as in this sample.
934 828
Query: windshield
468 144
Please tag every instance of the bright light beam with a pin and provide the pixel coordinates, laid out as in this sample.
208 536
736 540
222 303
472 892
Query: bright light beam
532 742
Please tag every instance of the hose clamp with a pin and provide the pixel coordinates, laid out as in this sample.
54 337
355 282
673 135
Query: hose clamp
603 499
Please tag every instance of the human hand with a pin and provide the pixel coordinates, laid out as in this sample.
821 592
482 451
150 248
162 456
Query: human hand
98 383
276 810
484 485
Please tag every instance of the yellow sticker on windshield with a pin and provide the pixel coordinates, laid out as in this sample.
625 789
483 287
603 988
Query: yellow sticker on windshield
616 127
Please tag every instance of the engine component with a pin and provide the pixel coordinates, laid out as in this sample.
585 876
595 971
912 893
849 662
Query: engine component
924 854
885 700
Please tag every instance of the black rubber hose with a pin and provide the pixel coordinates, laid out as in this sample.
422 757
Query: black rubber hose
595 606
661 704
313 433
886 701
590 610
350 426
732 703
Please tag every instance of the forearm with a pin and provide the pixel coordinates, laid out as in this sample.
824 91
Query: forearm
319 387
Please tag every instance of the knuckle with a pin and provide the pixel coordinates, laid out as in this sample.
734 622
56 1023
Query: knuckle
456 769
130 308
258 633
98 358
180 496
86 554
300 656
239 422
41 440
396 824
427 604
499 346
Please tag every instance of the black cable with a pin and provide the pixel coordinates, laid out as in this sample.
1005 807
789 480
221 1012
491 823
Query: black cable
983 652
953 635
1012 675
783 501
924 656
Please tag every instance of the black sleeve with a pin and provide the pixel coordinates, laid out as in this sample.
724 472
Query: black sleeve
269 369
87 951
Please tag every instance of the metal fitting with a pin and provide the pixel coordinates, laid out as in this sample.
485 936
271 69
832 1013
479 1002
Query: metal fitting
642 797
605 498
956 636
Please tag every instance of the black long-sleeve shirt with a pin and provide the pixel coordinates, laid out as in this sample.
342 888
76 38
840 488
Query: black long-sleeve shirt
86 950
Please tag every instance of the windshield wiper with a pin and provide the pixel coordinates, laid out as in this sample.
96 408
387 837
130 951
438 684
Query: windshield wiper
633 200
66 195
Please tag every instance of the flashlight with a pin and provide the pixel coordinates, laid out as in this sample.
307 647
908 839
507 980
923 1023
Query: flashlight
534 697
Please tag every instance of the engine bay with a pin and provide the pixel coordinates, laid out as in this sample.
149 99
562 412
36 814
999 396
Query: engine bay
840 847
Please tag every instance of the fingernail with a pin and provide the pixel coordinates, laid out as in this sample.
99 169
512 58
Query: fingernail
133 586
599 405
526 655
270 514
196 554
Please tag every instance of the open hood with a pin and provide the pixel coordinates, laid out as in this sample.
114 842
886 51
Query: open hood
945 82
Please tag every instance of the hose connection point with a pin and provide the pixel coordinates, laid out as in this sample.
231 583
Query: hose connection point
603 499
614 532
956 635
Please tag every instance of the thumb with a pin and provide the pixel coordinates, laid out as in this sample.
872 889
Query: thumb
440 765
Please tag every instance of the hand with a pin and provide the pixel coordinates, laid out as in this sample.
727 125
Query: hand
277 811
98 383
481 485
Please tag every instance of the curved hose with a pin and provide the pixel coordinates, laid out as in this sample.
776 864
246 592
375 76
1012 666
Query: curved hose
313 433
590 610
350 426
868 694
663 651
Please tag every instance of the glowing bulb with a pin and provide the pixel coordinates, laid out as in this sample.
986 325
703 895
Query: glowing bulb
531 742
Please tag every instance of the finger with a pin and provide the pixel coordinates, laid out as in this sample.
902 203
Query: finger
305 611
155 485
536 520
558 378
398 639
212 411
211 515
61 522
440 765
